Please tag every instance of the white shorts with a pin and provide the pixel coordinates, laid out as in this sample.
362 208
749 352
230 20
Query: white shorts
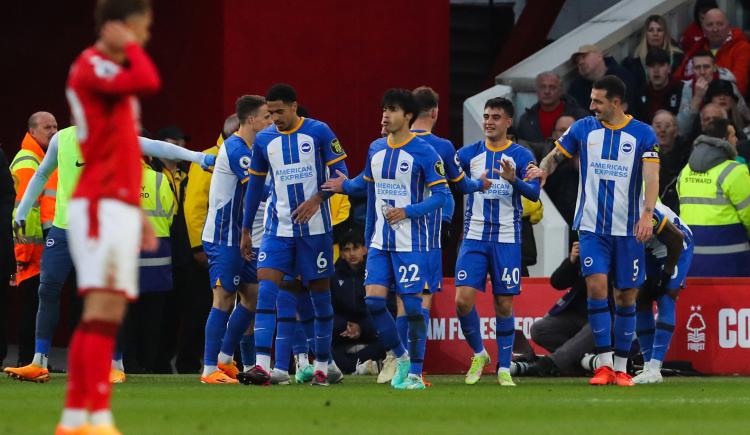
106 258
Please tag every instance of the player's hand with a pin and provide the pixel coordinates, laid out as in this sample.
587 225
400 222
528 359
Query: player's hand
575 253
486 182
208 161
353 331
335 184
664 278
537 172
445 233
306 210
201 258
246 245
645 227
116 35
509 171
149 241
395 215
19 232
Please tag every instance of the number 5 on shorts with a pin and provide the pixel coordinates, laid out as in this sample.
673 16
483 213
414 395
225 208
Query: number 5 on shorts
636 269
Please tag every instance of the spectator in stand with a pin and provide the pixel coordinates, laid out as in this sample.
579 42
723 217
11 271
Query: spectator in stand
7 257
709 112
694 31
721 93
729 46
694 90
538 121
674 152
354 341
593 65
714 193
655 36
660 91
197 301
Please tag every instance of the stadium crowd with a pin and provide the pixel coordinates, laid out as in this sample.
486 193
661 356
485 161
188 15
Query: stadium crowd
693 94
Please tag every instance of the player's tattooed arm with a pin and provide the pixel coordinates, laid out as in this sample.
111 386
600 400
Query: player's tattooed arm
546 167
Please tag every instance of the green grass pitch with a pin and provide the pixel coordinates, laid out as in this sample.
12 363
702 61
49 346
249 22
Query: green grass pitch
181 405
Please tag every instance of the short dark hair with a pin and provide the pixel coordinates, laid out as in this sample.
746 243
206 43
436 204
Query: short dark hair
718 128
282 92
396 98
118 10
657 56
501 103
427 99
613 86
248 105
704 53
354 236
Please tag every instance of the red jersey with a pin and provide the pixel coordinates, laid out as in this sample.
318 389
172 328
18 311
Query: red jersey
101 94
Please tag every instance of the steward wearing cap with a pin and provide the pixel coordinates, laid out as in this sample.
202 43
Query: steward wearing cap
714 193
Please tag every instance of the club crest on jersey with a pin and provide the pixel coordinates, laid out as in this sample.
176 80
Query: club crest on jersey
440 168
336 147
305 147
627 147
404 167
244 162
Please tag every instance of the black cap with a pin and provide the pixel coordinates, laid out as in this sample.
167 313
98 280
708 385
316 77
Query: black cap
657 56
172 132
720 87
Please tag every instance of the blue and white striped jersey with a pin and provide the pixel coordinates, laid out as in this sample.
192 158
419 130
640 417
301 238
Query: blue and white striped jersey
225 196
297 162
611 178
662 214
494 215
453 172
400 175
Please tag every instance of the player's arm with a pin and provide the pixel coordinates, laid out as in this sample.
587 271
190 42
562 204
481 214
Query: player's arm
435 201
672 238
165 150
566 146
140 76
644 227
530 189
255 193
36 184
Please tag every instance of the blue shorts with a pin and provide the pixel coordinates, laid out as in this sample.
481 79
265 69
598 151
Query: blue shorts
624 256
435 270
502 261
307 257
226 267
56 260
408 271
677 281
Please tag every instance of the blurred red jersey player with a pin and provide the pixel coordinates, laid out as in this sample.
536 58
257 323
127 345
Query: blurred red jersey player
107 227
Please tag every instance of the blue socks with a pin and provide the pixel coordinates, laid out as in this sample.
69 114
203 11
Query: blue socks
601 324
239 321
247 349
645 329
286 307
47 315
470 328
505 333
402 327
417 332
216 325
265 321
664 326
624 329
304 332
323 326
385 324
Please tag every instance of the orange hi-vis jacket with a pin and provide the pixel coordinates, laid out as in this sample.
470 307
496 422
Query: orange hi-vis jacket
23 167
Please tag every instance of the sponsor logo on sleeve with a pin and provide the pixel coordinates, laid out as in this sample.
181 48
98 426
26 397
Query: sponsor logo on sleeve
440 168
336 147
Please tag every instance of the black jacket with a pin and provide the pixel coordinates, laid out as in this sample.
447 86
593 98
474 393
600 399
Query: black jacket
668 100
348 296
580 88
528 127
7 202
568 275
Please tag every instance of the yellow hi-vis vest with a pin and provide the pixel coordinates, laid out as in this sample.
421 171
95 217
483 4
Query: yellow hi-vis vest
719 196
157 201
